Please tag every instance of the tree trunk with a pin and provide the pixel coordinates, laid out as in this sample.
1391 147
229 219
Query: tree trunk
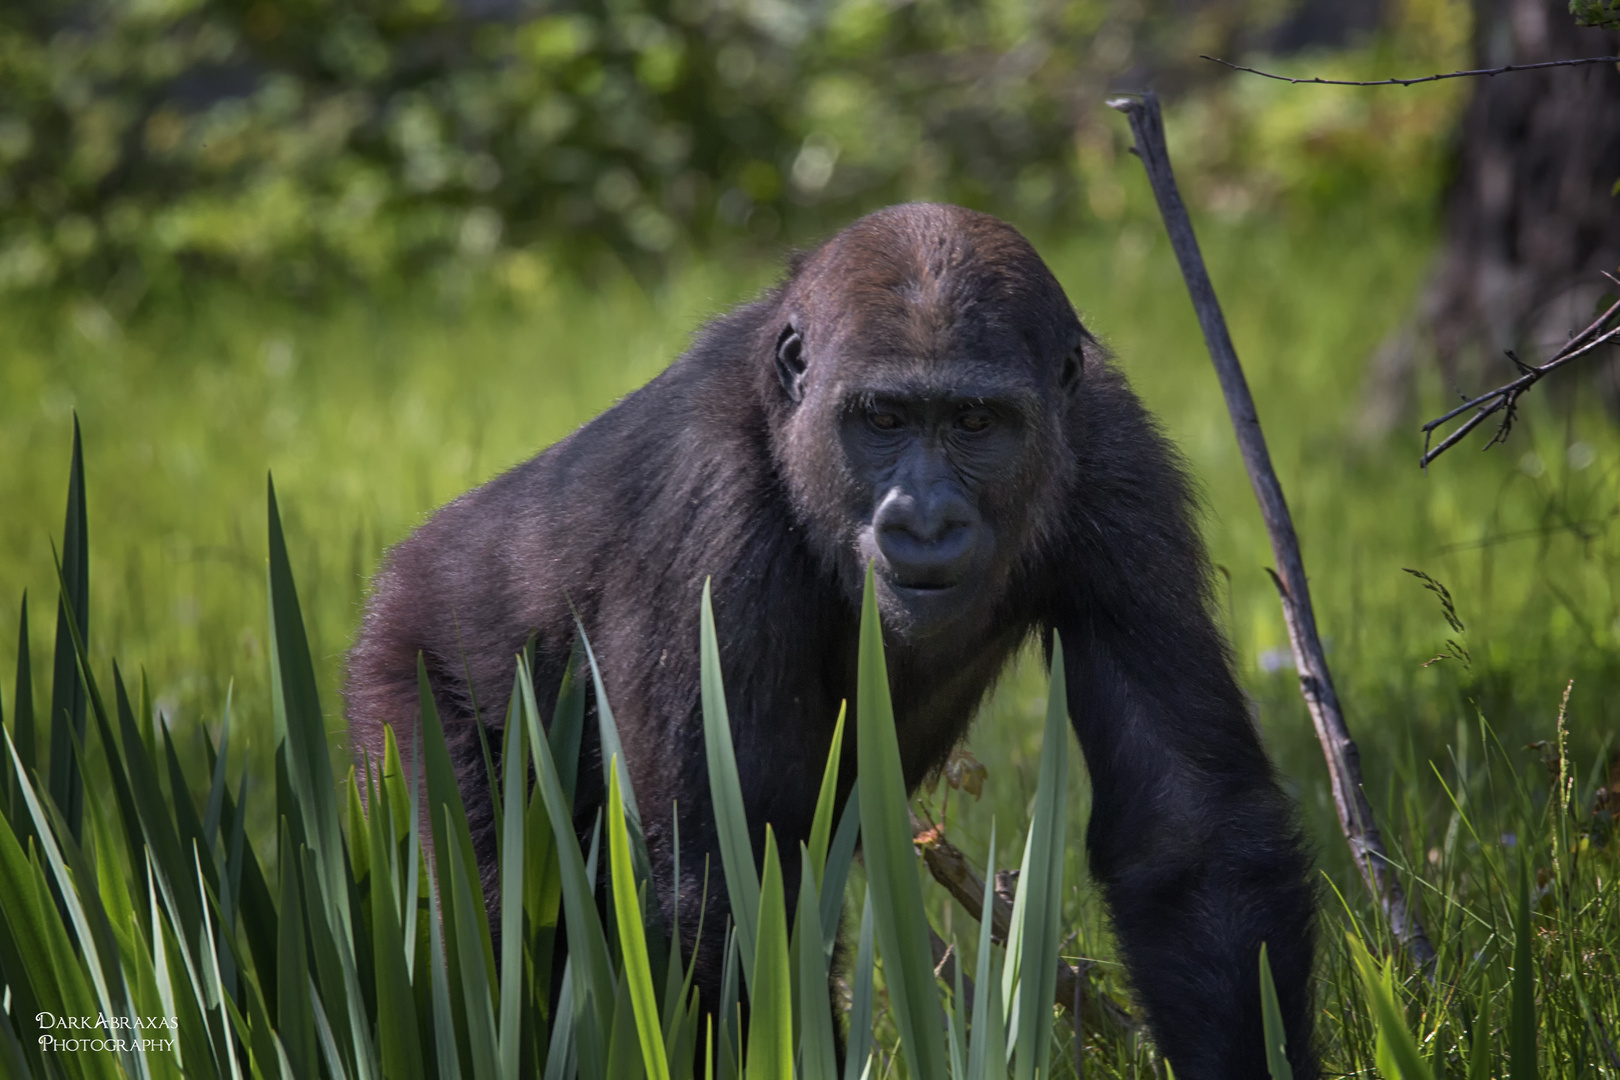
1531 213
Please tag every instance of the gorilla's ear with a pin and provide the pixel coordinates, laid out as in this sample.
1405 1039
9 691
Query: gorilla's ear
1069 377
790 362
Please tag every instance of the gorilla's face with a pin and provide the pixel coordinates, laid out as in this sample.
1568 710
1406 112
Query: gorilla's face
930 467
926 380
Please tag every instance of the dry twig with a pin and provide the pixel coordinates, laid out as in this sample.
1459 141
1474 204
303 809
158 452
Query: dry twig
1315 683
1505 398
950 868
1426 78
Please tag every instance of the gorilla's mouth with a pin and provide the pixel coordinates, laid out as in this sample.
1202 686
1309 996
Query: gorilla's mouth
923 588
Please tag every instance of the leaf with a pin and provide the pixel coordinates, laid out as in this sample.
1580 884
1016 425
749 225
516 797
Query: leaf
770 1018
821 824
514 789
68 702
860 1009
301 728
1522 1010
730 815
987 1050
452 839
1271 1017
22 720
398 1028
588 957
466 915
1038 907
835 873
1398 1055
891 859
293 1006
632 937
818 1048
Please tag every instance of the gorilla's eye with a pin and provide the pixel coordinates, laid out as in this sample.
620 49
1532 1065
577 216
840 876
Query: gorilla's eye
974 421
884 421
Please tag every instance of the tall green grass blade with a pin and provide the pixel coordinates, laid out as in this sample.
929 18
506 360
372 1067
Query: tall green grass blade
5 787
891 859
1033 939
216 984
560 1063
467 912
336 1066
65 966
514 787
821 824
161 975
623 1062
594 990
1271 1020
637 973
23 953
613 751
987 1046
22 714
68 701
334 983
251 892
956 1019
770 1020
12 1062
1522 1010
858 1051
452 839
730 1044
446 1054
1398 1056
301 727
123 795
818 1047
725 788
567 730
1479 1047
184 814
835 874
399 1042
97 948
216 784
293 1006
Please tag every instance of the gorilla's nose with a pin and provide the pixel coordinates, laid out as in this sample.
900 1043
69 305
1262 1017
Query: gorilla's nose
927 542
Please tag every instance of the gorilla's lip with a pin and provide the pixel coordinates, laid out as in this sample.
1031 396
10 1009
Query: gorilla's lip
923 588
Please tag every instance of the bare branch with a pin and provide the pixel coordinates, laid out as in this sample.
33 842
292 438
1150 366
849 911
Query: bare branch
1315 682
950 868
1505 398
1426 78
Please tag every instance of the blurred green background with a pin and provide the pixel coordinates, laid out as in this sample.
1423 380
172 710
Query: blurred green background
386 250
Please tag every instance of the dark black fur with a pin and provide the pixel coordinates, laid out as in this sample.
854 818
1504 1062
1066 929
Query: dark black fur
763 459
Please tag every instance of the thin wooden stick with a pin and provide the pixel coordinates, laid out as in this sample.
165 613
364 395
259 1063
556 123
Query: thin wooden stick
951 869
1486 72
1315 683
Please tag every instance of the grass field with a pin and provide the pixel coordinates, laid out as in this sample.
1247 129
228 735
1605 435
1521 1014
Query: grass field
371 412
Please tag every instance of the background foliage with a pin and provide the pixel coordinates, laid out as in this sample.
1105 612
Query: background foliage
305 144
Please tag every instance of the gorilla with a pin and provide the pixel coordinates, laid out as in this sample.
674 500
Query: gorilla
917 394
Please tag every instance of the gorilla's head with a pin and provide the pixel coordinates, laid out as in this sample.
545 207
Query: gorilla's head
925 359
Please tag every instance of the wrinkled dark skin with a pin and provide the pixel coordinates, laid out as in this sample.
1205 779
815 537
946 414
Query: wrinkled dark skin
920 394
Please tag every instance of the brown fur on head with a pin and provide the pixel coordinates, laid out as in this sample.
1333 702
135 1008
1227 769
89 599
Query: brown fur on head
925 308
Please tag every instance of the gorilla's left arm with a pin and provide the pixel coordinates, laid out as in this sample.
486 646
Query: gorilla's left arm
1191 837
